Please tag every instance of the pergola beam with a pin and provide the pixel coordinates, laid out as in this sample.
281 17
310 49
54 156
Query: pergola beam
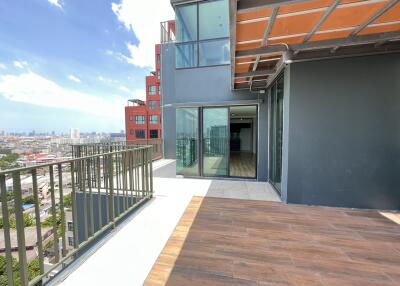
232 24
256 73
326 44
374 17
322 20
267 32
253 5
349 51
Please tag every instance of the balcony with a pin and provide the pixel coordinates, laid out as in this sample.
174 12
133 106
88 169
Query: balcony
164 230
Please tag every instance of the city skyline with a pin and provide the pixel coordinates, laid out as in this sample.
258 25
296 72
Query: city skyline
70 63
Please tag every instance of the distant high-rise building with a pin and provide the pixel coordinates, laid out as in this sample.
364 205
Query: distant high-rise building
74 133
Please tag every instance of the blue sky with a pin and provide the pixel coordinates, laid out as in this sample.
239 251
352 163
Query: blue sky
74 63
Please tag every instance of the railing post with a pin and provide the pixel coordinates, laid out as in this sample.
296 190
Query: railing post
37 220
143 173
151 173
61 193
111 176
89 179
99 201
19 217
74 207
6 229
83 191
54 215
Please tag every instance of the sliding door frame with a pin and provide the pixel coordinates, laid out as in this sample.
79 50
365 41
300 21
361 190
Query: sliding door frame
200 147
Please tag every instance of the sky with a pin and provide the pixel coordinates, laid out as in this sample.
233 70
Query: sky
75 63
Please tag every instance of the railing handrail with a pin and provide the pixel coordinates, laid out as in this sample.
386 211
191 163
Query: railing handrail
39 166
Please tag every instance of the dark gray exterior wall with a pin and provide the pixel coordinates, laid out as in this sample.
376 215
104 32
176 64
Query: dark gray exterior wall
207 86
342 137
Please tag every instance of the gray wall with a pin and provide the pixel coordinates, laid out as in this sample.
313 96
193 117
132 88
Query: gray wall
207 86
343 132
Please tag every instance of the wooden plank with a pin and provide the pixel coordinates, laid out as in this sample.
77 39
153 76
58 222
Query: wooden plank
243 242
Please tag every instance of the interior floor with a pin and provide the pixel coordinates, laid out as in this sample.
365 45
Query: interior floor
242 164
243 141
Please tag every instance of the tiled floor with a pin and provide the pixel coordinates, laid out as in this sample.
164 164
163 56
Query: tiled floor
231 242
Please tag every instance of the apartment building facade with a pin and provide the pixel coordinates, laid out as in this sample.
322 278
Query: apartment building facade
301 94
143 118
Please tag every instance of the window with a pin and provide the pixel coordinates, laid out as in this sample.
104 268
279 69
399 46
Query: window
140 134
213 20
186 23
131 117
158 75
70 241
153 134
214 52
202 34
70 226
152 90
153 119
186 55
158 59
152 105
139 119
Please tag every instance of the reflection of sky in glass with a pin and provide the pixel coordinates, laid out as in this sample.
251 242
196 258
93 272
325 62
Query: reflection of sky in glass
186 122
214 117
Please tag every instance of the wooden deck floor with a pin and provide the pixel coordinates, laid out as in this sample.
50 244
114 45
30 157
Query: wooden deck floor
243 242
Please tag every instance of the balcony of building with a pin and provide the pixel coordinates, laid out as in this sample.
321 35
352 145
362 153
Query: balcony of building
118 214
130 220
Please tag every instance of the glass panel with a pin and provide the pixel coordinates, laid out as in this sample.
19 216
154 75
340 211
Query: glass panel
213 20
187 140
215 141
186 55
214 52
276 133
186 23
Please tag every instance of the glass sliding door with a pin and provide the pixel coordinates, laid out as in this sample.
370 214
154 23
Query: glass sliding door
187 141
276 133
215 141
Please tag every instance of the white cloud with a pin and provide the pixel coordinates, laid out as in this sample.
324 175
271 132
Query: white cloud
20 64
144 20
74 78
34 89
57 3
3 66
100 78
124 88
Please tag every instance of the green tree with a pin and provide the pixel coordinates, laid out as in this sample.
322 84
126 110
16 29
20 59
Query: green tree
68 201
9 161
28 200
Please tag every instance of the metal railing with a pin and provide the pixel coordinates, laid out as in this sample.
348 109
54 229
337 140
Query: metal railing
96 191
167 32
79 150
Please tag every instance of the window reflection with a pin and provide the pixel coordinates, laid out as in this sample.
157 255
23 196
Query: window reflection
213 20
186 23
186 55
214 52
195 45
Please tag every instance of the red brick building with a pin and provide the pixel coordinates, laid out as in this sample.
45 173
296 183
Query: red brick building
143 118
